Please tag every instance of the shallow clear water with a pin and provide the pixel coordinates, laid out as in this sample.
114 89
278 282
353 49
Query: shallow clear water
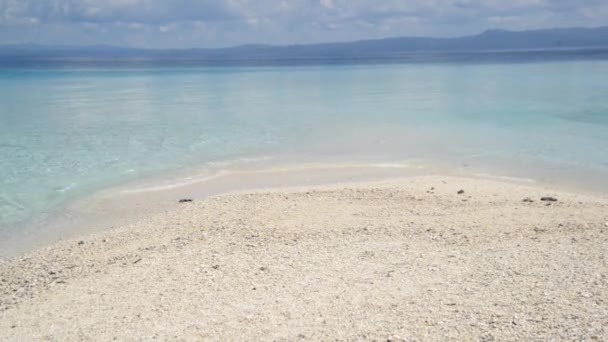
68 131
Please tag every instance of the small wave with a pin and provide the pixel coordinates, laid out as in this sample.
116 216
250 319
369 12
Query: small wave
245 160
506 178
226 171
176 184
67 188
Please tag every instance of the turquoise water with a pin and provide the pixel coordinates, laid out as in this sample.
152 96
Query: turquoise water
67 132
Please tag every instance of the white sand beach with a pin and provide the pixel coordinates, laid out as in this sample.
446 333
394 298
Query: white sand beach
398 260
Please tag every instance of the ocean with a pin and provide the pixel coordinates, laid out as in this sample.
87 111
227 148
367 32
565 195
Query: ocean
71 128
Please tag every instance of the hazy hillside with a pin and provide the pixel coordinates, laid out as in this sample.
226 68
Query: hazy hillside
381 48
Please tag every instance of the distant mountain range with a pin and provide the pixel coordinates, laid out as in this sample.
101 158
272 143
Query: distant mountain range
491 40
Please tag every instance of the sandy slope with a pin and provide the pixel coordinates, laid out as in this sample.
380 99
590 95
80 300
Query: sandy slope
393 260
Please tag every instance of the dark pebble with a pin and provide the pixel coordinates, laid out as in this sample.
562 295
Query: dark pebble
80 243
548 199
460 192
185 200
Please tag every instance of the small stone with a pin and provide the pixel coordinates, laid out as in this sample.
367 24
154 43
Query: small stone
80 243
460 192
528 200
263 268
548 199
186 200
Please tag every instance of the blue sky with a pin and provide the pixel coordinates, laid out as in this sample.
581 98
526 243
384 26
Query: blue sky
217 23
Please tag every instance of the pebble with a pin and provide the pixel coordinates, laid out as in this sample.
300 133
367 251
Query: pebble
186 200
548 199
460 192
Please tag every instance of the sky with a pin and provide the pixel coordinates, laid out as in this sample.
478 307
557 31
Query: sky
220 23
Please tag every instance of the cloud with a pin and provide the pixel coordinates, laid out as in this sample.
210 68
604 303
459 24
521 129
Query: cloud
183 23
111 11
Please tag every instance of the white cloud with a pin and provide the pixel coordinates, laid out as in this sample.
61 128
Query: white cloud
327 3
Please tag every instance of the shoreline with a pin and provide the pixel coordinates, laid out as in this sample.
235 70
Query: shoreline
128 202
414 258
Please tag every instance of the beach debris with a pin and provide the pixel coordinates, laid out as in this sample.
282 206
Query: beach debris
186 200
215 267
80 243
528 200
548 199
263 268
136 261
460 192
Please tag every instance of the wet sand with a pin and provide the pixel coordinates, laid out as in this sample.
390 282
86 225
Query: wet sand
407 259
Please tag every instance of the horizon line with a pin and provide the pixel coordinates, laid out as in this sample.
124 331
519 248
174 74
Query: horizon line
66 46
